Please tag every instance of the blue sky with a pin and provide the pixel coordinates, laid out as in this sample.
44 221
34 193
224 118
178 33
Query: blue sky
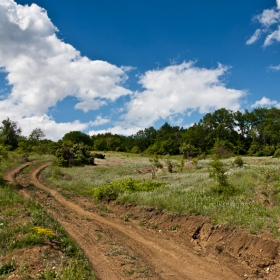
122 66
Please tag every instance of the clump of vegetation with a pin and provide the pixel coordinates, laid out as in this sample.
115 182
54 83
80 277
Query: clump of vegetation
195 162
112 190
135 150
222 149
169 165
155 164
188 150
181 164
6 268
239 161
47 232
276 153
78 154
217 171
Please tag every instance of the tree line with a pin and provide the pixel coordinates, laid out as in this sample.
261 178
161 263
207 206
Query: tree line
225 132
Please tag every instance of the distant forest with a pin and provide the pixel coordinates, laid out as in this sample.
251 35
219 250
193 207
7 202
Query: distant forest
254 133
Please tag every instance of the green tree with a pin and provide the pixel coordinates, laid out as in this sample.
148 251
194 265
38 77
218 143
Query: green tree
264 130
78 137
10 133
187 150
37 134
100 143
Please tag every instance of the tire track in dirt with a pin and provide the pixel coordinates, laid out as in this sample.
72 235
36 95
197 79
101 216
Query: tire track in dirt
159 257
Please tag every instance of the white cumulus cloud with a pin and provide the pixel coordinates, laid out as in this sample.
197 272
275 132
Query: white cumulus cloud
41 69
176 90
266 102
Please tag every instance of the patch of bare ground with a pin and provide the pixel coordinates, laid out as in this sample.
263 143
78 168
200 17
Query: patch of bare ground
127 242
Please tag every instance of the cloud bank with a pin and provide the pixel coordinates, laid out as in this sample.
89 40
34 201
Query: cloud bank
42 70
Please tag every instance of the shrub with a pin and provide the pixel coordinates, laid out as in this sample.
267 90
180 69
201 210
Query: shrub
276 153
155 165
217 170
112 190
222 149
195 162
187 150
7 268
135 150
4 151
238 161
169 165
78 154
181 164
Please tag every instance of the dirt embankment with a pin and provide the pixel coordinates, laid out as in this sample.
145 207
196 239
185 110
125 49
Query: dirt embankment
126 242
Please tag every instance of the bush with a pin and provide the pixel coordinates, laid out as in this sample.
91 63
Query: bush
238 161
77 155
4 151
223 149
7 268
169 165
268 150
181 164
135 150
112 190
217 170
277 154
155 164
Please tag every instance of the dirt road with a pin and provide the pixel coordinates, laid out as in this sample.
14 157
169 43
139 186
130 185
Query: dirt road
119 247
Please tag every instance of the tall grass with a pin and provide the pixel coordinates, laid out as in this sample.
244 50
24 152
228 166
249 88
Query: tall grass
254 205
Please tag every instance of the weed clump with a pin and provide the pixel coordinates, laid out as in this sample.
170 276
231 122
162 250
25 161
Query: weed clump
155 164
169 165
112 190
217 170
6 268
239 161
45 232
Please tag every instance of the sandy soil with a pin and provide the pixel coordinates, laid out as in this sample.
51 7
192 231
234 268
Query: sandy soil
126 242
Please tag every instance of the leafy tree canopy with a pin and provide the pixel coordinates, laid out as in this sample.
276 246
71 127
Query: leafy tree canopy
10 133
37 134
78 137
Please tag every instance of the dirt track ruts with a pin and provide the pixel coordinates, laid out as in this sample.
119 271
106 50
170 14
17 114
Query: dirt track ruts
106 241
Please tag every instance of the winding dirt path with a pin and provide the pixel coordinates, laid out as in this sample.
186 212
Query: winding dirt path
117 249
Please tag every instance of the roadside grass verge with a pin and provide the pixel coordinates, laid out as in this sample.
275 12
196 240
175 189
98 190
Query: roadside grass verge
255 204
26 229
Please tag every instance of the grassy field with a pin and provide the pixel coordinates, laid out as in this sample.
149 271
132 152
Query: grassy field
254 204
164 183
26 230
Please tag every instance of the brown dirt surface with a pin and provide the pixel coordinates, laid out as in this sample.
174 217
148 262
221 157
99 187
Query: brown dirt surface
127 242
